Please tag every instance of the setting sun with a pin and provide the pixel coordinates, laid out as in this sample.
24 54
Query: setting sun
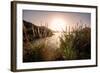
58 24
55 36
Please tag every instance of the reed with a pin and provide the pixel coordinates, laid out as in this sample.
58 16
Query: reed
76 43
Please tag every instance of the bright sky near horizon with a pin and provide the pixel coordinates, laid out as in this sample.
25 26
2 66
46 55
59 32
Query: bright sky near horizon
56 21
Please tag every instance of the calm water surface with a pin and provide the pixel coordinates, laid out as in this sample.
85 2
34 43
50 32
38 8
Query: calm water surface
52 42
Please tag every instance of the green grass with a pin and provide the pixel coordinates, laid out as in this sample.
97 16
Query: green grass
33 54
76 44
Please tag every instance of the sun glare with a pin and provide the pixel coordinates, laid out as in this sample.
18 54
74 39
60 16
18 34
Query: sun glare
58 24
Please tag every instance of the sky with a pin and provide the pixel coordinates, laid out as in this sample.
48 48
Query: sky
57 21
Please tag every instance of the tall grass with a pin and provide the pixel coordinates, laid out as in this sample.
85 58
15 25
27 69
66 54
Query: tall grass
31 52
76 44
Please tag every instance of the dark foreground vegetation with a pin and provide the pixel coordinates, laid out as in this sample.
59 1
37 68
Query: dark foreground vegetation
75 45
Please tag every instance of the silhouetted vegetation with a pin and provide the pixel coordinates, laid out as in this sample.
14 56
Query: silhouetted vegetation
76 44
34 32
32 53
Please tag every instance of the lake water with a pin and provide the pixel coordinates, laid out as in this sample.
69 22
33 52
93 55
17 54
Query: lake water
50 51
52 42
